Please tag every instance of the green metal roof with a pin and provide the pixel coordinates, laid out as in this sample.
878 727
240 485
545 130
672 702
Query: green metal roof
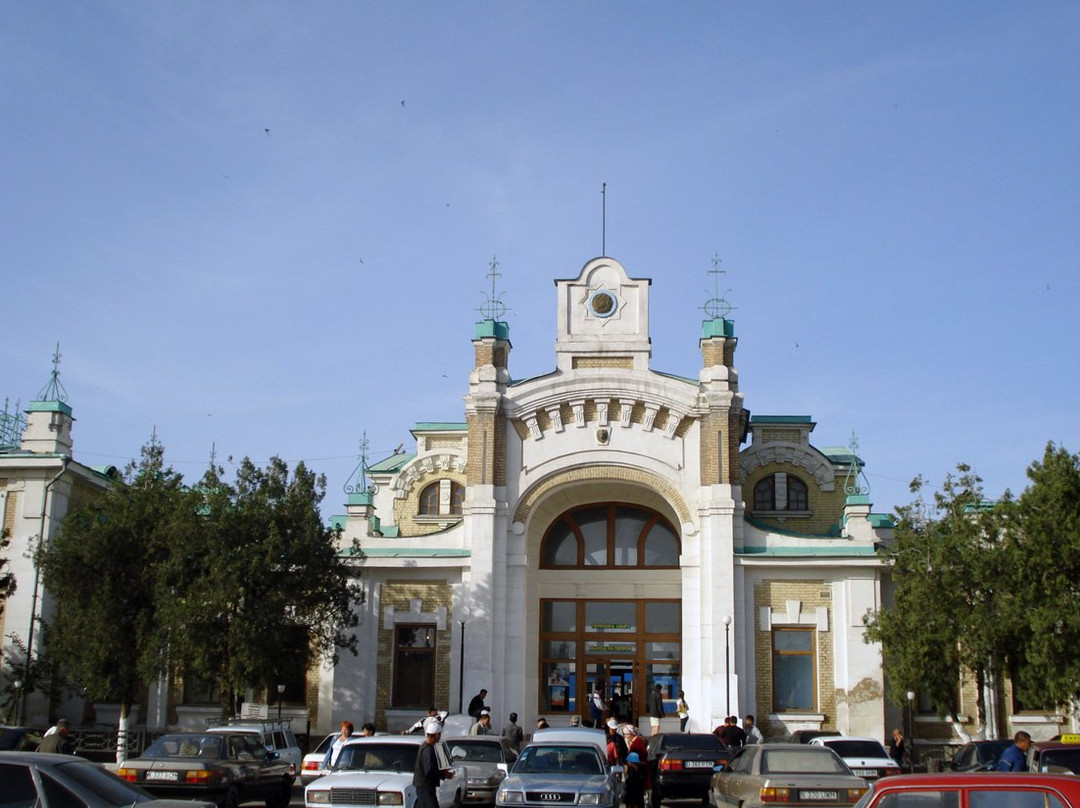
390 464
808 552
49 406
492 328
440 426
764 526
782 419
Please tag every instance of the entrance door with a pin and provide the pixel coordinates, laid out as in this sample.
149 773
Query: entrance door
614 678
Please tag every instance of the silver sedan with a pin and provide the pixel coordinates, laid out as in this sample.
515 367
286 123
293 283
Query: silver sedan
788 774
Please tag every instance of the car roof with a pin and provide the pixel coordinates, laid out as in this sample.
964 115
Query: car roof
571 735
980 778
829 740
410 740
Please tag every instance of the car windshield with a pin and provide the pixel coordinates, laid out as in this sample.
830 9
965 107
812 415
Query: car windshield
860 749
476 751
801 761
110 788
1060 759
706 741
208 747
382 757
558 759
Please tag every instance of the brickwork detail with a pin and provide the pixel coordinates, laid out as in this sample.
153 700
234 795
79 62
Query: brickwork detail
826 507
781 435
812 594
12 509
618 362
603 473
400 594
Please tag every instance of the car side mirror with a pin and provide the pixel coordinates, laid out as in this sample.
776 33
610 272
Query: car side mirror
617 769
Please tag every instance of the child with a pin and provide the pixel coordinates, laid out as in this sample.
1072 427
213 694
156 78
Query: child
633 782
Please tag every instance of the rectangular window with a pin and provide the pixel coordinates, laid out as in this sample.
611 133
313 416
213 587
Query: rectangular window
794 670
414 667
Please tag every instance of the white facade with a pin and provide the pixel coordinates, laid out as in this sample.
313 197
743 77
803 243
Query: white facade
453 539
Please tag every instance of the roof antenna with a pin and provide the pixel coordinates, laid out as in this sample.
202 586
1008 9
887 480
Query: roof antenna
603 220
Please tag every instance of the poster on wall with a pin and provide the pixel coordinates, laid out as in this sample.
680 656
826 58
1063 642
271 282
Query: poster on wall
559 697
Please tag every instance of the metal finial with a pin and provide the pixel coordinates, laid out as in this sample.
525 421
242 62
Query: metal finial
54 390
717 307
12 425
852 486
493 308
357 481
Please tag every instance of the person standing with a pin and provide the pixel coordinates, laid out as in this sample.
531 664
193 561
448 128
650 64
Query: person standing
753 734
656 709
58 742
596 708
1014 759
426 774
731 734
616 746
897 751
633 795
477 704
334 752
513 733
483 724
683 709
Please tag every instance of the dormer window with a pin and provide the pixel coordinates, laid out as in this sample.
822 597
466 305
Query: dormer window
442 498
781 493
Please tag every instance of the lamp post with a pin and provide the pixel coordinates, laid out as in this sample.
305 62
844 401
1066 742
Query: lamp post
280 693
911 728
727 665
17 685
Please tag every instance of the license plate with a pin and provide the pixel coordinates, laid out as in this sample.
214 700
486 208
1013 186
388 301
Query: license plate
697 764
819 795
162 776
865 772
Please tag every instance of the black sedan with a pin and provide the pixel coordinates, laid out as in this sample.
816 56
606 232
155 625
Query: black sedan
226 768
681 764
41 779
978 756
19 739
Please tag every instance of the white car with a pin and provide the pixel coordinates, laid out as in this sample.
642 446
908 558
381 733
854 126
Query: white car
377 770
312 765
866 757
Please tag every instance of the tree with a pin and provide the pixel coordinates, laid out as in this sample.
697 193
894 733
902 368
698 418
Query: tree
7 579
101 572
1045 527
946 566
250 561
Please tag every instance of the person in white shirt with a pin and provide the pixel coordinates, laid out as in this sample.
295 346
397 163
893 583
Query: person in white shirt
753 734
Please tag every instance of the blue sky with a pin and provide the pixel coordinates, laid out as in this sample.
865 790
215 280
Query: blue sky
266 226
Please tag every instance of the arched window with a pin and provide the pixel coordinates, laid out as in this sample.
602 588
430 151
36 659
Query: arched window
457 497
429 500
797 499
610 535
765 494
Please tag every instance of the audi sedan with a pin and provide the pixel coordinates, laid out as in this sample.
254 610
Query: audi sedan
788 774
552 771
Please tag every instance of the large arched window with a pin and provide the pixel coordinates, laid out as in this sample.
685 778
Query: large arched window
441 498
765 494
610 535
429 500
797 499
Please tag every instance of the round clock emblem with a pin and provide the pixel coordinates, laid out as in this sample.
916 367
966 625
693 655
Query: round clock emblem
602 303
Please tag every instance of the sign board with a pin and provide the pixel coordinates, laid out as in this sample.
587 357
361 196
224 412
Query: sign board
253 709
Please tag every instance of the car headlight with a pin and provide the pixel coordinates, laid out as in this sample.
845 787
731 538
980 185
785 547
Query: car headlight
317 796
478 781
510 797
590 799
391 798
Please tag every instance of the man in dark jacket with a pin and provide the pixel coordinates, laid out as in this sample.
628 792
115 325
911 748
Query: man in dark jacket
427 774
656 709
477 704
1014 759
59 741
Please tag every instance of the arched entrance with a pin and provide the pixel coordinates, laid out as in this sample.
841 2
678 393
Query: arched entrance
608 634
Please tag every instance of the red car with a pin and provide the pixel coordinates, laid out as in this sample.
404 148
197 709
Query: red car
975 790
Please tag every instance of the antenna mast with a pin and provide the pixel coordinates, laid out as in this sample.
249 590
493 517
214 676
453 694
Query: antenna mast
603 220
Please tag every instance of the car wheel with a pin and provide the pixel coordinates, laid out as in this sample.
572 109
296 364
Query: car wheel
282 798
654 798
231 798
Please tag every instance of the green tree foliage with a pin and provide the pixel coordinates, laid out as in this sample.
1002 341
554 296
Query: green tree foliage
7 578
942 616
100 570
1045 575
254 558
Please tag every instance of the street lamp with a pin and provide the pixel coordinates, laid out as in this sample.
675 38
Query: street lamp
17 684
727 665
911 728
280 693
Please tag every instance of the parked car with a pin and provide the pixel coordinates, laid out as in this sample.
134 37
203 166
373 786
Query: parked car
791 774
46 780
276 736
974 790
19 739
1060 757
867 758
488 759
978 756
807 735
311 766
377 770
222 767
566 766
682 763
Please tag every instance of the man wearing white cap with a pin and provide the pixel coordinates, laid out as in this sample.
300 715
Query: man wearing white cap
427 775
483 724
